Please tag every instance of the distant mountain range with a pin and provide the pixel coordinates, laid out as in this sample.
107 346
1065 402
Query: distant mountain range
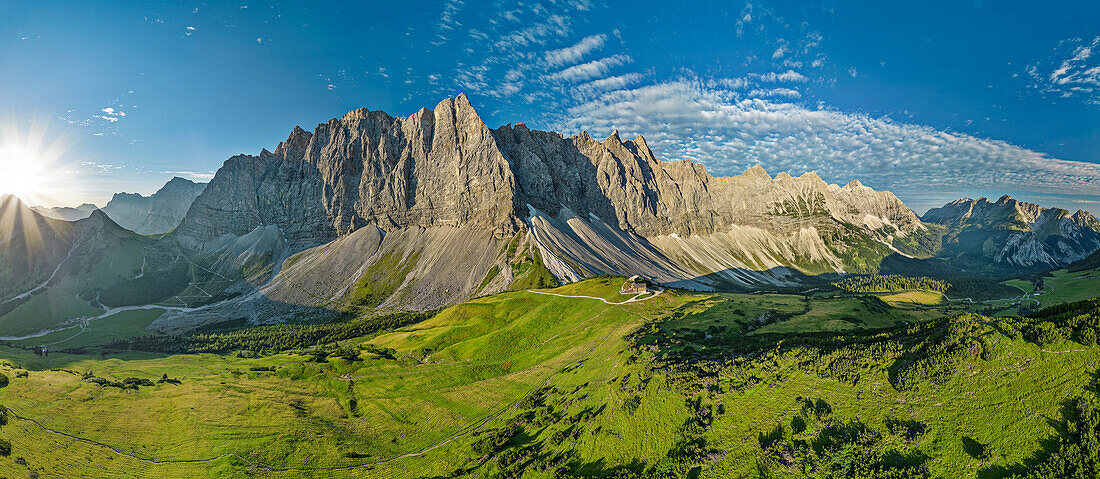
1010 233
370 212
159 213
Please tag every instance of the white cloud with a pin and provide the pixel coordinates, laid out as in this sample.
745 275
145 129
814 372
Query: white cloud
537 34
447 21
746 18
775 93
572 55
705 122
110 115
610 83
103 167
789 76
590 70
1071 71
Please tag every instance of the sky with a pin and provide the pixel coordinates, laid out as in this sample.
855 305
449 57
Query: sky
931 100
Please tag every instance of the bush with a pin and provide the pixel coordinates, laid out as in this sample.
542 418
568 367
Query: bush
5 447
274 338
1045 334
1087 336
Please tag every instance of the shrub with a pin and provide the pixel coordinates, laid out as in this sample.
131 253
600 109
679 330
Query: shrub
1045 334
5 447
1087 336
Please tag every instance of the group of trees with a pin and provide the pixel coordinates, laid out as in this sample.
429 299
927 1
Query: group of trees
879 283
128 383
151 287
842 449
269 339
1079 321
1076 453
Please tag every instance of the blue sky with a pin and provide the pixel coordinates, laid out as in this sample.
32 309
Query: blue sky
932 100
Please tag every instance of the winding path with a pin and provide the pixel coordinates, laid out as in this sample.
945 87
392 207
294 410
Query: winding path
47 281
635 299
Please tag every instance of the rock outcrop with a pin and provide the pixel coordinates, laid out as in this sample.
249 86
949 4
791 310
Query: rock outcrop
154 214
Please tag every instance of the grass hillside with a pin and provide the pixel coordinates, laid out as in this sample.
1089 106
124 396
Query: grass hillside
524 384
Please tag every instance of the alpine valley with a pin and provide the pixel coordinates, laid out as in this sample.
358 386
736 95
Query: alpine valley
431 297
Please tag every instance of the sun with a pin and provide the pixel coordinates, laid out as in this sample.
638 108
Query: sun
21 172
31 166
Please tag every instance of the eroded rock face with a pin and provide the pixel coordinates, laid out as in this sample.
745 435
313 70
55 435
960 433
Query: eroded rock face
1015 233
434 168
154 214
624 183
432 209
445 167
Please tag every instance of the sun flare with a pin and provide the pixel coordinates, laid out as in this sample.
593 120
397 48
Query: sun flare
21 172
30 164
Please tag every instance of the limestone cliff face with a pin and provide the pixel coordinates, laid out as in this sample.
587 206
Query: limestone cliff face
445 168
625 184
1012 232
437 167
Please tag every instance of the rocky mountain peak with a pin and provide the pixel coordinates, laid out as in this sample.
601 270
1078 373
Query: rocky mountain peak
811 176
295 144
1015 232
756 172
436 167
157 213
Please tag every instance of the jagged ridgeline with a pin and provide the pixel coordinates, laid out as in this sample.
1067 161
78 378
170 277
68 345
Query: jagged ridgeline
375 214
147 215
1010 235
371 211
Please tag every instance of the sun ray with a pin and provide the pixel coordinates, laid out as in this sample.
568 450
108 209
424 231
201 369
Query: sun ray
30 164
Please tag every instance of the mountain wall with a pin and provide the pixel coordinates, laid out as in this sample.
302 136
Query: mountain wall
1011 233
452 201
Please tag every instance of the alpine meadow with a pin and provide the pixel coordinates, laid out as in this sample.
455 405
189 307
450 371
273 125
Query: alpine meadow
550 239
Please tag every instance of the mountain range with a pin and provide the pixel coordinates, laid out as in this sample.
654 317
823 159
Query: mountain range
374 213
159 213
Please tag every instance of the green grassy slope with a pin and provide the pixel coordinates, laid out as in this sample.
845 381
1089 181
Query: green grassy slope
530 385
